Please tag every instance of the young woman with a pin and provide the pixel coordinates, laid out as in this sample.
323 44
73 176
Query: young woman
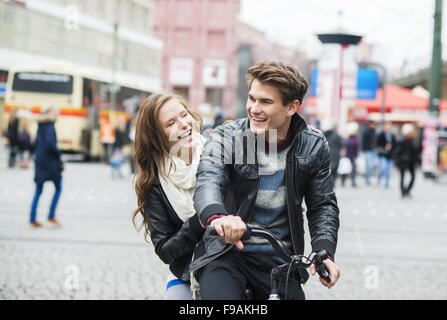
168 146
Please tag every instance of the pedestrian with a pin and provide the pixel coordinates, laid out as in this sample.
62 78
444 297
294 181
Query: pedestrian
121 138
116 162
406 157
168 145
336 143
12 133
368 149
386 142
47 165
24 142
345 167
238 182
352 149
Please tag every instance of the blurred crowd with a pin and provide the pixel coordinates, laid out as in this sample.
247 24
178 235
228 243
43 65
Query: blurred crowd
372 152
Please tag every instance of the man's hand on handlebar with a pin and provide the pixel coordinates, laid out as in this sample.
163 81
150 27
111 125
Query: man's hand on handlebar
332 268
232 228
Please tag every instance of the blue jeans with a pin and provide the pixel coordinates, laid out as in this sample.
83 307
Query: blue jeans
371 164
37 193
385 169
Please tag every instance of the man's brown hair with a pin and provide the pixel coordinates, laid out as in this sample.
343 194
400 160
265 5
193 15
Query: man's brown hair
289 80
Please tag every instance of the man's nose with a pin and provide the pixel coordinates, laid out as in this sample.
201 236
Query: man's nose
254 108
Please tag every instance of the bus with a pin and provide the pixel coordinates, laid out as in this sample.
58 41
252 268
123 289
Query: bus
86 117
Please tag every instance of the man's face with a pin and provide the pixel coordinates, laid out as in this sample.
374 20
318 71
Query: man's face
266 111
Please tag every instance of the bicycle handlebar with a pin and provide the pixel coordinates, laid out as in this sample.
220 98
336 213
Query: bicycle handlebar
315 258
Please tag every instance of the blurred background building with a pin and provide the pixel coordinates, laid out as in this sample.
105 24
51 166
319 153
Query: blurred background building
106 48
200 56
112 42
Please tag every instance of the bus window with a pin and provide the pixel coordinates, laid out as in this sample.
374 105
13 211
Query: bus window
43 82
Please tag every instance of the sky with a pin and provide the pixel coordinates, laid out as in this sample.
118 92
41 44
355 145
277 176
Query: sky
400 30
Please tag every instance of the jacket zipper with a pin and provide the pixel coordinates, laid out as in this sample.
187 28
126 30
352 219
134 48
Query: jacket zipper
287 197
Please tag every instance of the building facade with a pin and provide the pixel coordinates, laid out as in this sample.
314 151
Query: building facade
82 32
200 55
112 40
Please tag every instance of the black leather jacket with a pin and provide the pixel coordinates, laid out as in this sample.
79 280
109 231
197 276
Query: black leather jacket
173 239
225 186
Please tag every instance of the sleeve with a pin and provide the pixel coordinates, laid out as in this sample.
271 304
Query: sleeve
213 175
322 208
51 143
171 243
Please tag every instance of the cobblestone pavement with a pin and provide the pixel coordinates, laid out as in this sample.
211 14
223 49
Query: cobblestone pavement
388 248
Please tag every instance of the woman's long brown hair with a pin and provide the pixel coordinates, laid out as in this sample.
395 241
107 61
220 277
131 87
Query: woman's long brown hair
151 147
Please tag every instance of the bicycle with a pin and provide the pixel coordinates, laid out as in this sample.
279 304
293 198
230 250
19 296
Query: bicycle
294 263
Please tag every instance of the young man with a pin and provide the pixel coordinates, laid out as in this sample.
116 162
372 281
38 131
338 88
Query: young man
243 178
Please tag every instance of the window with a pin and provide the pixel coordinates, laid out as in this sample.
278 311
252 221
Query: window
214 96
43 82
182 91
216 39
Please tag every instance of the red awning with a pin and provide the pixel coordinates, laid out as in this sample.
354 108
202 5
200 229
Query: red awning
396 98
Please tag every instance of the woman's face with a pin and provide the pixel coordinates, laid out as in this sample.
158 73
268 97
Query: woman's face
177 124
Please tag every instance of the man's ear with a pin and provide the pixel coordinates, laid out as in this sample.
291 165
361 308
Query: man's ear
293 107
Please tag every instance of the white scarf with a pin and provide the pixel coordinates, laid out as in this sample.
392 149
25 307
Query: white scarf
180 181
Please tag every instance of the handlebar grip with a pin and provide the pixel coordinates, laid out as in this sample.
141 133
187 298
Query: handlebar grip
322 272
321 268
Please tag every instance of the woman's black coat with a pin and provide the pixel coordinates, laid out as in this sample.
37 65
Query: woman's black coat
173 239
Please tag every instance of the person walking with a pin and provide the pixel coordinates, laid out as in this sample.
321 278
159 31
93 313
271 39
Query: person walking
48 165
168 146
24 142
352 149
406 158
12 134
336 144
258 170
386 142
368 149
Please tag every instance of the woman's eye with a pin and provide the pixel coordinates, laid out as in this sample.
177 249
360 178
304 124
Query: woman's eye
184 115
170 124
